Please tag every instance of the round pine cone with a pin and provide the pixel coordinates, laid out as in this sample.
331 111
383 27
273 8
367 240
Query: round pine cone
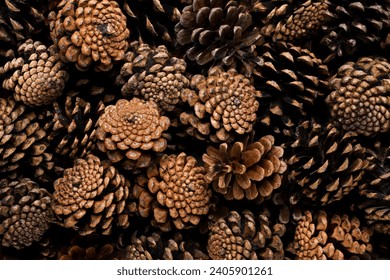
38 76
90 196
240 171
153 74
245 236
218 32
22 140
182 194
89 31
325 163
360 101
128 129
320 237
224 101
25 212
290 81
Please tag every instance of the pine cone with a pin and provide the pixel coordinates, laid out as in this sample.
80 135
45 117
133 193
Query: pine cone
318 236
75 252
360 101
246 236
241 170
224 101
325 164
354 25
129 129
153 74
182 194
37 76
220 33
91 196
89 32
290 82
22 141
25 213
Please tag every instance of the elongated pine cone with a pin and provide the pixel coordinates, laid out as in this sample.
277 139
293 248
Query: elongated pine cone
91 196
153 74
375 191
38 76
246 236
89 32
129 128
183 194
25 212
290 81
360 101
224 105
22 140
325 164
243 170
218 32
320 237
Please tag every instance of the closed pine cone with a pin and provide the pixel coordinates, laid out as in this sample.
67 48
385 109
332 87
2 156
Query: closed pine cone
128 129
323 237
153 74
25 212
243 170
89 32
91 196
37 76
224 105
360 101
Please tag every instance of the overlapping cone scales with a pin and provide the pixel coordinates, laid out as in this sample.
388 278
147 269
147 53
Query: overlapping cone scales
153 74
224 104
38 76
217 31
91 196
320 236
360 101
244 170
75 252
128 128
25 212
89 32
325 164
183 193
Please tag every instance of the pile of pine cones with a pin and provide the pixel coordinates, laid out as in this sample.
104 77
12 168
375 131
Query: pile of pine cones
194 129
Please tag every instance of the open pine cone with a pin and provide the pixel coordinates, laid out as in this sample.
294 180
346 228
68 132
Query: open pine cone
153 74
224 105
91 196
37 76
243 170
320 237
360 101
325 163
25 212
89 32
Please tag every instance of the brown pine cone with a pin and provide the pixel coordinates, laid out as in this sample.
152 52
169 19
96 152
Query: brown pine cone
245 236
220 33
224 105
360 101
290 82
325 164
37 76
243 170
180 191
89 32
91 196
25 212
319 237
129 129
22 141
75 252
153 74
